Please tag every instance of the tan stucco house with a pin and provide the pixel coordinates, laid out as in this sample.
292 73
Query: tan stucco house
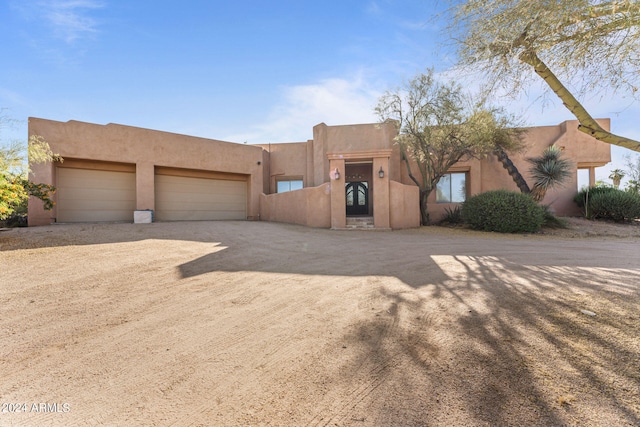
345 175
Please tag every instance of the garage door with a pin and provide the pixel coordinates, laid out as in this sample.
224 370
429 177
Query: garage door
86 195
181 198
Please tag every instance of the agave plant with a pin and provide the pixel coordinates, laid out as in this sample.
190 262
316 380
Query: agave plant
548 171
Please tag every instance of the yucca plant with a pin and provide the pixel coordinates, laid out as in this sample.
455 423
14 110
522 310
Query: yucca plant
548 171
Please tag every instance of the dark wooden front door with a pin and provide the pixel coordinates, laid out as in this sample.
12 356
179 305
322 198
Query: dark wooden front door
357 198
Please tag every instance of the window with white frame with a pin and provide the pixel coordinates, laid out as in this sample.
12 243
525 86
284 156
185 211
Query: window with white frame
452 188
284 185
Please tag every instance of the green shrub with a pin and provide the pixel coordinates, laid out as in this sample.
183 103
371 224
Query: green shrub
583 195
552 221
619 206
452 216
503 211
609 203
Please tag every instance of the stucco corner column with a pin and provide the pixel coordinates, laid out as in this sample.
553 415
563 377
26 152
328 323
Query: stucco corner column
338 199
592 176
381 198
145 186
44 173
253 196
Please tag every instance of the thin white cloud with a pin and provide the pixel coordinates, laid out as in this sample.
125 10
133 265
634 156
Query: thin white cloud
334 101
70 19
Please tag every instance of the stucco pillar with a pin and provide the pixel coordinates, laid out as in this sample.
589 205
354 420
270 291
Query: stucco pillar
145 186
592 176
381 199
338 198
253 202
44 173
319 153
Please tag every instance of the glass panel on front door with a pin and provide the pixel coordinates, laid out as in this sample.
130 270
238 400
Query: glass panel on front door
357 194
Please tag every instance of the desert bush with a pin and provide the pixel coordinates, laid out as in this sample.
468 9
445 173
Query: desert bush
552 221
503 211
583 195
452 216
608 203
617 206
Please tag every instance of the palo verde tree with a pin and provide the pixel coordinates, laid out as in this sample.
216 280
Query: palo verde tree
437 126
15 187
577 47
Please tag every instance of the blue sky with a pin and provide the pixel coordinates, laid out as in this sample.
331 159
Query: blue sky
241 70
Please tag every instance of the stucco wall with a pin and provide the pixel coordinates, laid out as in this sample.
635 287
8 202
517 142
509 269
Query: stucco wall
581 149
286 161
146 149
347 138
41 173
405 205
488 174
309 206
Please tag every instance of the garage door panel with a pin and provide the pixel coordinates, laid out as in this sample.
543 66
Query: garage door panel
180 198
175 207
96 205
192 215
100 194
94 195
199 187
84 178
93 215
195 199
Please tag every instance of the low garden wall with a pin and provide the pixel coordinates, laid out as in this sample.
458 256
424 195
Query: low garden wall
309 206
404 211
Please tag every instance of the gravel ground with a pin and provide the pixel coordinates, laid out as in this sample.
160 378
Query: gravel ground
253 323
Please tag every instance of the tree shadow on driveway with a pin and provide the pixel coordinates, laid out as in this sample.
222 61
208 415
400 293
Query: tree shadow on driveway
482 330
503 344
465 329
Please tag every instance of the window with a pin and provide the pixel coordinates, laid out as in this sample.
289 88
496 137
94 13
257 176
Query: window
452 188
289 185
584 179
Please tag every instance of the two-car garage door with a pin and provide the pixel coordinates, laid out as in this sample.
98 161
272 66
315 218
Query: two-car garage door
89 195
92 195
190 198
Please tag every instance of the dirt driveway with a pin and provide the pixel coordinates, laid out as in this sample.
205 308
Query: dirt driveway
249 323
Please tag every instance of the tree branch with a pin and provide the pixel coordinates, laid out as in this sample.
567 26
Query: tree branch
588 124
406 161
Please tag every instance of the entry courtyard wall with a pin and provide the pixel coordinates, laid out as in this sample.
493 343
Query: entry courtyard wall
309 206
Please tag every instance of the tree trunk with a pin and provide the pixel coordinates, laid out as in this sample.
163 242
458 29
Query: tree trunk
512 170
587 124
424 213
538 193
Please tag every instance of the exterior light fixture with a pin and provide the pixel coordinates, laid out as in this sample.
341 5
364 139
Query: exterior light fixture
381 173
336 174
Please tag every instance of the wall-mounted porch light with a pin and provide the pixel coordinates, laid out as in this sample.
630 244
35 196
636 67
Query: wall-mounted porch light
381 173
336 174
